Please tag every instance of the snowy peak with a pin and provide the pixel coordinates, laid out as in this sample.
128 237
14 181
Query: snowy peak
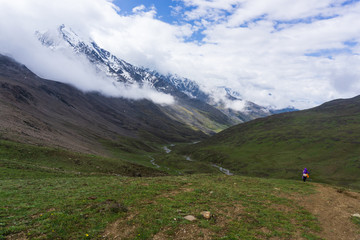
232 95
116 69
49 39
70 36
68 41
60 38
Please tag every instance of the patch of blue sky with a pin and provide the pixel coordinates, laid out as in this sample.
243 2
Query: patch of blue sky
254 20
216 17
349 2
197 38
329 53
282 24
162 7
343 3
350 43
178 10
168 11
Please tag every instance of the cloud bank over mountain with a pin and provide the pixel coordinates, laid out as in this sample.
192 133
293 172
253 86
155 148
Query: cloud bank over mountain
276 53
20 41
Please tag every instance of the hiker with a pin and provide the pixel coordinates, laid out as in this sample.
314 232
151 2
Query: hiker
305 174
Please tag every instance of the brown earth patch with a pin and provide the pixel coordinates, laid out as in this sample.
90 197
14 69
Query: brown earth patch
185 232
333 208
282 208
236 211
176 192
17 236
121 228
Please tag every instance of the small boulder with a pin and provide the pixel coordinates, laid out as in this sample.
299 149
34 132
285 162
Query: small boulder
206 214
356 215
190 218
117 207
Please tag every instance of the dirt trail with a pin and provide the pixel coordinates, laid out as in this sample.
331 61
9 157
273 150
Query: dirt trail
333 208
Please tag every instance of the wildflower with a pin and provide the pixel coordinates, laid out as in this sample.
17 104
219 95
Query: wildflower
86 235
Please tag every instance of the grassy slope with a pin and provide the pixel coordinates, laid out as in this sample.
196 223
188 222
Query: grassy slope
54 194
324 139
20 160
41 203
49 193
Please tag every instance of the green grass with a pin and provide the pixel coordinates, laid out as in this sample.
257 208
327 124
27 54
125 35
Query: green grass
50 193
71 207
356 220
281 146
143 152
61 208
21 160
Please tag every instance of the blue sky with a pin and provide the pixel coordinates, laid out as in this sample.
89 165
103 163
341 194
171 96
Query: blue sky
166 12
162 7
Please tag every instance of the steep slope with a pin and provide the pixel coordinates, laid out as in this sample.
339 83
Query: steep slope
40 111
324 139
65 40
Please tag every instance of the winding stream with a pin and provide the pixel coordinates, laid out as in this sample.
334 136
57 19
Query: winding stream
153 162
167 150
223 170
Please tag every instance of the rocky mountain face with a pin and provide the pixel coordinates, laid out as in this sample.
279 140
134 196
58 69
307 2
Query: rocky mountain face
121 71
38 111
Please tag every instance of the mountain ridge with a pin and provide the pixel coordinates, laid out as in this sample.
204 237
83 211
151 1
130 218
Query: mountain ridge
35 110
324 139
122 71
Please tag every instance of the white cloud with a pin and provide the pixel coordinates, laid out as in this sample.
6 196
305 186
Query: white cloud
138 9
236 105
18 40
278 52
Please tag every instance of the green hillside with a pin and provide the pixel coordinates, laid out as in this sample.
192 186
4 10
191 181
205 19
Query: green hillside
53 194
325 139
27 161
49 193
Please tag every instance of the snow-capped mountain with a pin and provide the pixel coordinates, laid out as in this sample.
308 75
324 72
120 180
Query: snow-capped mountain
104 61
113 67
118 70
